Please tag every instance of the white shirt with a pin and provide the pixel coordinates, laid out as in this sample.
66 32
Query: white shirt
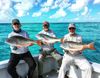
76 38
22 49
49 46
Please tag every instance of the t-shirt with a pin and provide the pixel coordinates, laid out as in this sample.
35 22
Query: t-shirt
49 46
22 49
76 38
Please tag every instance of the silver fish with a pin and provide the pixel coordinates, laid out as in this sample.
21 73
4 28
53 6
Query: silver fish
19 41
48 38
74 46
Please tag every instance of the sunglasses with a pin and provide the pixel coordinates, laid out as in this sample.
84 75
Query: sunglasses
16 24
45 25
71 28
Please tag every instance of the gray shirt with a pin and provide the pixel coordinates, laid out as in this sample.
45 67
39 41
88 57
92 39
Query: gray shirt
22 49
77 38
49 46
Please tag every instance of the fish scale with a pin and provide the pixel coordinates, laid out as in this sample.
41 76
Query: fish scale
19 40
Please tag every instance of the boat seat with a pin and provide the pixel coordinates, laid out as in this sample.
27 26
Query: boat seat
76 72
49 64
96 67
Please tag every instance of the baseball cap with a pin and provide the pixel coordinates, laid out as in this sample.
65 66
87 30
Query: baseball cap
71 25
45 23
15 21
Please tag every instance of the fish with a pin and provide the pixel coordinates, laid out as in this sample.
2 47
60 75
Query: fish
20 41
74 46
48 38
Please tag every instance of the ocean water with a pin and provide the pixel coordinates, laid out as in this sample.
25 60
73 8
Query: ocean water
89 31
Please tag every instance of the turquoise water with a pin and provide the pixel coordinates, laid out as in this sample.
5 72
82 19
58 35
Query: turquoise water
89 31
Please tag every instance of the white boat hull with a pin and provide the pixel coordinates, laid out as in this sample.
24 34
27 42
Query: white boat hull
76 72
50 64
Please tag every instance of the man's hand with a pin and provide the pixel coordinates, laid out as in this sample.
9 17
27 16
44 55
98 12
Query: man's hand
62 40
30 44
39 42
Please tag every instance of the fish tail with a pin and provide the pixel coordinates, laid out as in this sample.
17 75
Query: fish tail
91 46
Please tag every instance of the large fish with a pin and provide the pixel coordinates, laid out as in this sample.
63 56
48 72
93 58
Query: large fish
74 46
19 41
48 38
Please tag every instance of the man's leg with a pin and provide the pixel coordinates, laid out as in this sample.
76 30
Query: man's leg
31 63
40 64
57 57
84 65
14 59
65 65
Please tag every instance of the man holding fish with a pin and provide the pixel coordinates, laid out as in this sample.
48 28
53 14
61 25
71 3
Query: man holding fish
74 56
71 43
19 52
47 48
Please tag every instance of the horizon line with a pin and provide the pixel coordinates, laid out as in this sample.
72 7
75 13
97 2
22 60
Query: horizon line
51 22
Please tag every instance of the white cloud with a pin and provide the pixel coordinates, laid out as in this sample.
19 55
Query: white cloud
5 4
36 14
23 7
17 0
48 3
64 4
61 4
80 4
5 15
45 9
98 13
96 2
76 19
54 6
28 13
51 4
89 18
6 11
20 13
58 14
85 11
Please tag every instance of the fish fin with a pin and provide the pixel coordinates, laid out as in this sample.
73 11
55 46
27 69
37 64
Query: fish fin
91 46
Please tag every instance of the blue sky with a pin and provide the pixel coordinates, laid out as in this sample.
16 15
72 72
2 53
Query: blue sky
34 11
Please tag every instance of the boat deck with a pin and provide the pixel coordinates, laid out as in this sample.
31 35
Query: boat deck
52 74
